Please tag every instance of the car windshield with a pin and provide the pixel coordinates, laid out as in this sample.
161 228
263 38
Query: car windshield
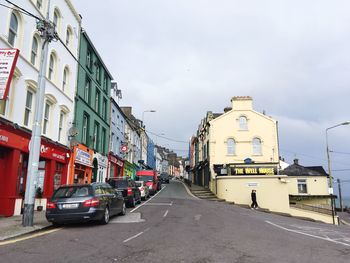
119 183
145 178
73 191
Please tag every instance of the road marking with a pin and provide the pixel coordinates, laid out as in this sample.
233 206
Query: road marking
135 236
128 218
167 204
166 213
306 234
148 200
29 237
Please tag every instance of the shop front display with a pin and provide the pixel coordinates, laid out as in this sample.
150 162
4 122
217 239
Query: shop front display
116 166
81 165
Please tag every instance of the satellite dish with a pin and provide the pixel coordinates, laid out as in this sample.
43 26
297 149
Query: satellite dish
73 142
73 131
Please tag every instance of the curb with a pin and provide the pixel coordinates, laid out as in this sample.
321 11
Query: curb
8 238
189 191
344 222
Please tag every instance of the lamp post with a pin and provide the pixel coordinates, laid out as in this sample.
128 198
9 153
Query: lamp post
329 164
143 114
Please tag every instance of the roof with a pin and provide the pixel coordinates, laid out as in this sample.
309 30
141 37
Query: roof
298 170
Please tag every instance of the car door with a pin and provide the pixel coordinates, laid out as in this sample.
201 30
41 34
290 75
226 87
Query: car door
112 199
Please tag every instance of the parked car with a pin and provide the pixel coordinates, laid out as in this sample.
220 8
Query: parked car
144 190
85 202
150 178
127 186
164 178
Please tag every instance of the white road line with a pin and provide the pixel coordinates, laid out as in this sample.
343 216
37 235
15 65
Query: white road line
166 213
148 200
306 234
135 236
168 204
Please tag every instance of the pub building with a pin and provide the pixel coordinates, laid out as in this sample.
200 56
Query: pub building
14 154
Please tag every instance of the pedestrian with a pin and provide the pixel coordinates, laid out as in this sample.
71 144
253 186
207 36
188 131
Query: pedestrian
254 203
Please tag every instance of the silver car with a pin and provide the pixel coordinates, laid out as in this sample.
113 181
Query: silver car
144 190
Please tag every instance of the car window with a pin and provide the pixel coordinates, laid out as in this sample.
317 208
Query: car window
99 190
73 191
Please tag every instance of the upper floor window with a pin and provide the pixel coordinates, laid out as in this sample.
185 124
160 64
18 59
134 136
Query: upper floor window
52 66
39 4
88 59
104 109
60 125
85 133
68 37
302 186
98 73
46 117
243 123
231 147
97 101
257 146
28 108
65 79
95 136
34 51
56 18
87 90
105 82
103 140
13 30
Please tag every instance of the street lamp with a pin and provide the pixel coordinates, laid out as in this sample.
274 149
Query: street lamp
329 165
143 114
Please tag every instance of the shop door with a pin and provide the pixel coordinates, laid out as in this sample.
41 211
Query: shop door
94 171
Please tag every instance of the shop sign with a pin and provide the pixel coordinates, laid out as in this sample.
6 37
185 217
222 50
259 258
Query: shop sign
102 160
253 170
83 157
124 148
116 161
8 59
52 153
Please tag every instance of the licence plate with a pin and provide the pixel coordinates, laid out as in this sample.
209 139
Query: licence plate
70 206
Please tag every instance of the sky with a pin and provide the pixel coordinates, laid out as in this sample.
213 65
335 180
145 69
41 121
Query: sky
186 57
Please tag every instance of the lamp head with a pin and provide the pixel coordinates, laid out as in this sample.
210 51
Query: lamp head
346 123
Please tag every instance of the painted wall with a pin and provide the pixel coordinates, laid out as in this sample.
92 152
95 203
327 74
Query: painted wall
117 127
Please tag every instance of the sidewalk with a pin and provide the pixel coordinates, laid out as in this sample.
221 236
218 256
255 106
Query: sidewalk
11 227
344 217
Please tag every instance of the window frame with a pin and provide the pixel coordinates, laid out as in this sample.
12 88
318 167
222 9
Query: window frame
256 146
85 128
60 124
96 135
46 117
230 147
13 32
87 90
302 186
27 109
34 53
243 125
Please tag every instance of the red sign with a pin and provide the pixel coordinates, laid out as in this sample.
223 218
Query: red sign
116 161
8 59
124 148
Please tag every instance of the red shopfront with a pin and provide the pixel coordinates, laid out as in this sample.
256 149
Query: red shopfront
14 153
116 166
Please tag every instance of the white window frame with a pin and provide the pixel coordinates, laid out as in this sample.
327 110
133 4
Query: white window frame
257 147
243 123
46 117
302 186
28 109
34 52
85 128
60 124
13 31
231 146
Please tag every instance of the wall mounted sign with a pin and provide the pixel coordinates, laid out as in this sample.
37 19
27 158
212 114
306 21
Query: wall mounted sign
8 59
253 170
83 157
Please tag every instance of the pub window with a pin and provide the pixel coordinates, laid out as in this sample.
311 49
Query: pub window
231 147
58 176
257 146
302 186
243 123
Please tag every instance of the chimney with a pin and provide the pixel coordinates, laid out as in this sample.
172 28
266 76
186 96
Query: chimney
242 103
296 161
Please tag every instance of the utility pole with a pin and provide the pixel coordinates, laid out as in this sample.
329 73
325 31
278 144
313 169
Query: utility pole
340 196
47 32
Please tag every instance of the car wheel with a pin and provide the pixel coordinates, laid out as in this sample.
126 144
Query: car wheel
105 217
123 212
55 224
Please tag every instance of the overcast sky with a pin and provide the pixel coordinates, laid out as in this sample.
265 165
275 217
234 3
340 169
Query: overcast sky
185 57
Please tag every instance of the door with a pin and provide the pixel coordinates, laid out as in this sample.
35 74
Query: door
94 171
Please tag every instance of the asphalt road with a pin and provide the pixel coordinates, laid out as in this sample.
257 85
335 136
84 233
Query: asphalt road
175 227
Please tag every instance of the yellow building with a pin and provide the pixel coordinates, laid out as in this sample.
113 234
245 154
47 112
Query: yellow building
237 152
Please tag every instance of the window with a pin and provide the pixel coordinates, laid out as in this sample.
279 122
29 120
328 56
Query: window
65 77
13 30
302 187
112 143
28 108
39 4
88 59
87 90
56 18
60 125
95 138
257 146
104 109
98 73
231 147
51 67
34 51
105 82
85 133
243 123
3 107
97 102
103 140
68 37
46 117
57 176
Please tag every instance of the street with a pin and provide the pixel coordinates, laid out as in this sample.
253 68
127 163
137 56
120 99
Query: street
173 226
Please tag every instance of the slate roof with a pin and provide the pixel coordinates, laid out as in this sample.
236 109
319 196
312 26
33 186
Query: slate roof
298 170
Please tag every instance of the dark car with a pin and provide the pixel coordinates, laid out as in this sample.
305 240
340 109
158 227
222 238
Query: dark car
129 189
164 178
85 202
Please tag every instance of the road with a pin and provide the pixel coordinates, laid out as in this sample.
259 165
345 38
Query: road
175 227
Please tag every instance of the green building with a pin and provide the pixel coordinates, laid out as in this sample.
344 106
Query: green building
92 115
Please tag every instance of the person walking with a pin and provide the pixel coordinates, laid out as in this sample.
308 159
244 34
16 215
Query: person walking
254 203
